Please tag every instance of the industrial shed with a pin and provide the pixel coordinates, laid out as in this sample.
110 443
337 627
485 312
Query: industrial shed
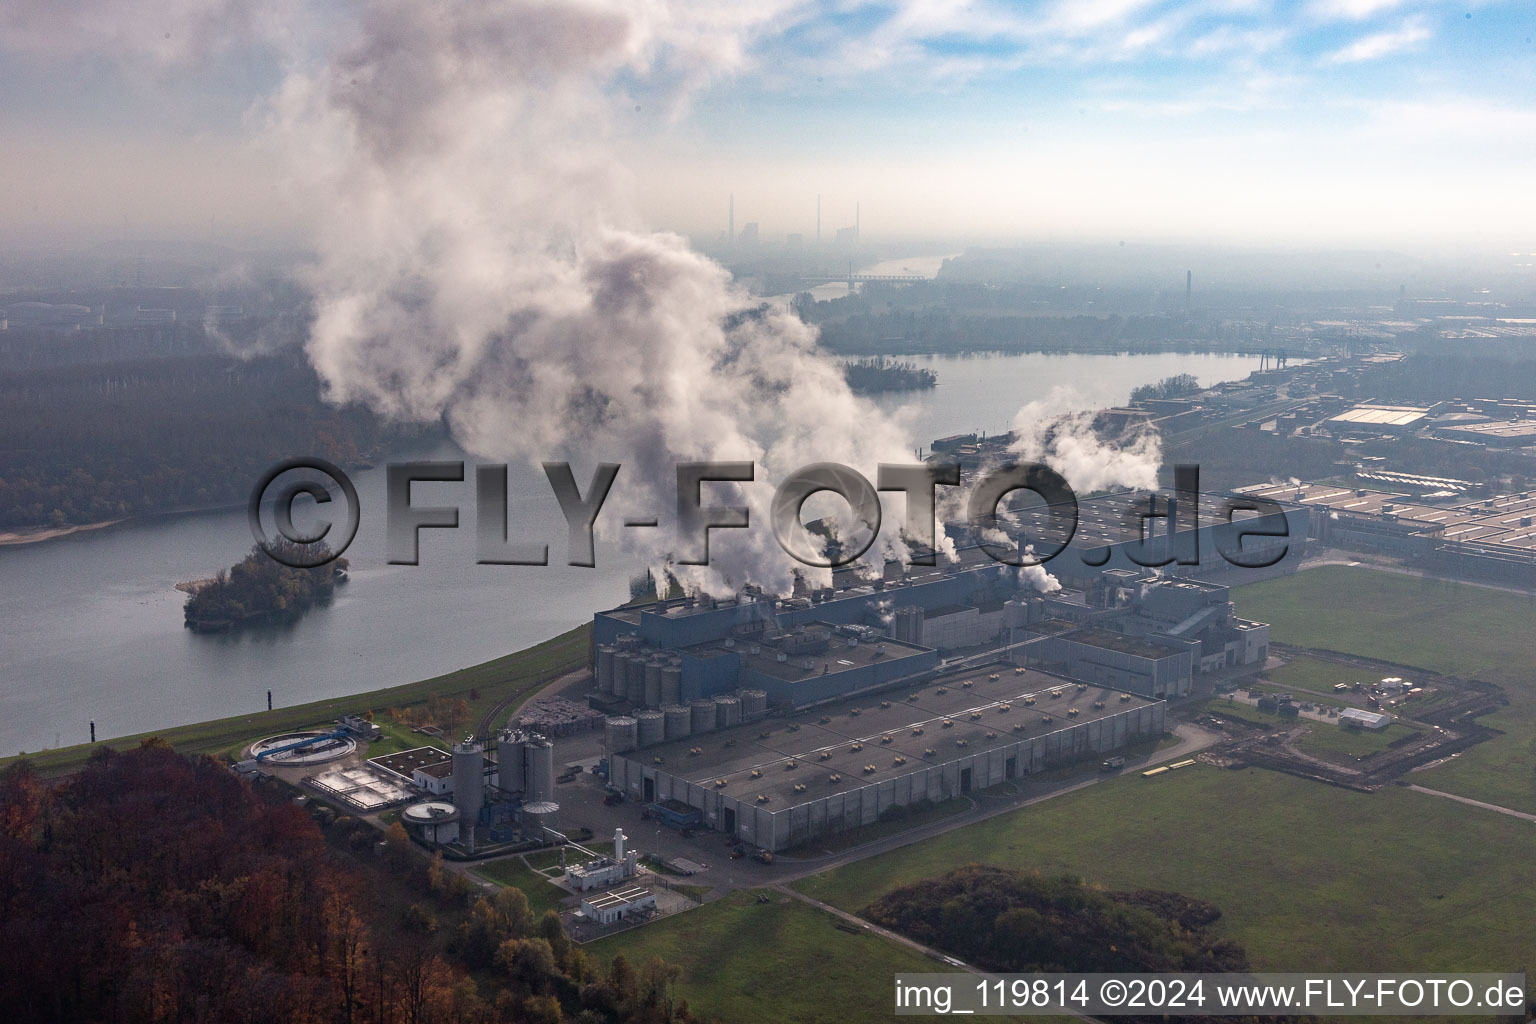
781 782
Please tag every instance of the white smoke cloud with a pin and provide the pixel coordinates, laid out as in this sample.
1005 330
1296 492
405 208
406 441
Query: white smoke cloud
477 261
1058 431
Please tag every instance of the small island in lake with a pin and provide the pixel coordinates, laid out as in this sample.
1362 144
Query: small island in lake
260 590
877 373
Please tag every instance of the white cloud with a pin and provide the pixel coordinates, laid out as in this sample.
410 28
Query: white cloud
1351 10
1382 44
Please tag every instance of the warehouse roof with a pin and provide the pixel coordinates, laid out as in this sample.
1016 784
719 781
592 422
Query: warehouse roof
404 762
846 737
1381 416
837 656
1110 640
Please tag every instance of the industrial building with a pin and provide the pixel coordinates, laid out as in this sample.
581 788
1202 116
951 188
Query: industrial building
861 635
613 907
1366 420
504 797
605 871
1358 718
783 781
1506 434
1491 539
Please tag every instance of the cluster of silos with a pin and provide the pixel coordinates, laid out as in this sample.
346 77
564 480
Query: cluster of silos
468 788
677 721
511 761
639 675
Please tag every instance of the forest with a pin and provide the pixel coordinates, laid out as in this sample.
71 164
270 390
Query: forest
1019 921
90 442
261 588
152 888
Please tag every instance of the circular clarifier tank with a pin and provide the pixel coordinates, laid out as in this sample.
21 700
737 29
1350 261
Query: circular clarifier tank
312 747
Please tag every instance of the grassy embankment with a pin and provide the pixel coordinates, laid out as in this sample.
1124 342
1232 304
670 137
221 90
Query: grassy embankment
514 676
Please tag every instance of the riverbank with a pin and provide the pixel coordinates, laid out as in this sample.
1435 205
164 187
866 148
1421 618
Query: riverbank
510 679
38 534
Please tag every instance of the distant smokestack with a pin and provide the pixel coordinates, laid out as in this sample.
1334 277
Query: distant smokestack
1189 285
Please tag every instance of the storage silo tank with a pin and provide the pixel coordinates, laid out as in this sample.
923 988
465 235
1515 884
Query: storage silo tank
671 684
727 712
652 727
539 816
634 680
468 788
679 722
754 704
541 770
620 735
653 682
618 683
703 714
511 775
605 659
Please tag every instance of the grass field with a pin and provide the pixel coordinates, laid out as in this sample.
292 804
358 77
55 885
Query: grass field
541 892
778 962
840 841
1335 743
1451 628
1308 877
514 675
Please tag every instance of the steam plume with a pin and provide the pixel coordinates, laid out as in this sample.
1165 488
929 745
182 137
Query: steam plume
477 261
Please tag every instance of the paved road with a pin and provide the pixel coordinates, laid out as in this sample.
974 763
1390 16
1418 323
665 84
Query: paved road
1476 803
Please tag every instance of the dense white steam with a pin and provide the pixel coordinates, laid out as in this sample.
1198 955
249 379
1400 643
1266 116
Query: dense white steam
1058 431
477 261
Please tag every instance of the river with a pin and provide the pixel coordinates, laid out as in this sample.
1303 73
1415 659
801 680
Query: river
93 624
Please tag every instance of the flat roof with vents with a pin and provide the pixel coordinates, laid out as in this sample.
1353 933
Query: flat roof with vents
768 747
617 898
406 762
1395 416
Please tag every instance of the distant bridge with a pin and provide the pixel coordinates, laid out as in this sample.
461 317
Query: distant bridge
852 279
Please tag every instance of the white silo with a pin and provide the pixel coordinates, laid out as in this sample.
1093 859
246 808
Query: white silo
511 761
541 770
468 788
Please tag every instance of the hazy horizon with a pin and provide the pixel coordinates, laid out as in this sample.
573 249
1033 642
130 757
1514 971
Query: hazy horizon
1335 124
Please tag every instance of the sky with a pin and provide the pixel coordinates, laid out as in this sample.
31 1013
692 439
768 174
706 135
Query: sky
1349 123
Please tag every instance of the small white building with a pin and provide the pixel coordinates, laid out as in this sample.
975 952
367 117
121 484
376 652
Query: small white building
605 871
1358 718
612 907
